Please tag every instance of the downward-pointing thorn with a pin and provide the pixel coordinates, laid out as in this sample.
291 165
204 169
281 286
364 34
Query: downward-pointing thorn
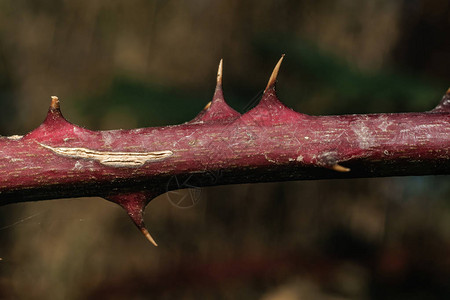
273 77
134 204
148 236
219 72
339 168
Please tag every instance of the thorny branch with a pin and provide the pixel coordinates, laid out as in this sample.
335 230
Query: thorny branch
219 146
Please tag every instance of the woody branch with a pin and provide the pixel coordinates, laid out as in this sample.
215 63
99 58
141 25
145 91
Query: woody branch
219 146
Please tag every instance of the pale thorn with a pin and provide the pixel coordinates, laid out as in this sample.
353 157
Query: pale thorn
273 77
207 105
220 72
148 236
339 168
55 102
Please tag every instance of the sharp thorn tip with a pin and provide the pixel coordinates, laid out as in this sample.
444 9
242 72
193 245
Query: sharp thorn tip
220 72
148 236
207 105
274 75
339 168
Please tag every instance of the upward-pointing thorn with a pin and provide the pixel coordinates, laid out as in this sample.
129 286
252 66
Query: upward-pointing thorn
273 77
55 103
217 110
219 73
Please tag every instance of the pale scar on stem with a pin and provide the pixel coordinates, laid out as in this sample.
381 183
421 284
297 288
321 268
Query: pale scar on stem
110 158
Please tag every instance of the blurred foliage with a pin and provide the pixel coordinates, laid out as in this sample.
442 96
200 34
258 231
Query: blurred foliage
145 104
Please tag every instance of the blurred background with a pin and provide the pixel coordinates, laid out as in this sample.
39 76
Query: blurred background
139 63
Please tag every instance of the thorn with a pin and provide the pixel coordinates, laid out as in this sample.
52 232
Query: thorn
207 105
139 222
148 236
217 110
339 168
134 204
273 77
55 103
220 72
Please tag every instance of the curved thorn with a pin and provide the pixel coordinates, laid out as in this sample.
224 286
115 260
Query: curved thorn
273 77
148 236
55 103
219 72
339 168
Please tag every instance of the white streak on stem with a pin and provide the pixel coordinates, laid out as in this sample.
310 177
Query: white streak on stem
110 158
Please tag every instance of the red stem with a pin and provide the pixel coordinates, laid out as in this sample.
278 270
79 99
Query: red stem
269 143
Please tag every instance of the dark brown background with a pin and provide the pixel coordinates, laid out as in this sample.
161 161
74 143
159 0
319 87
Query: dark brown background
125 64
